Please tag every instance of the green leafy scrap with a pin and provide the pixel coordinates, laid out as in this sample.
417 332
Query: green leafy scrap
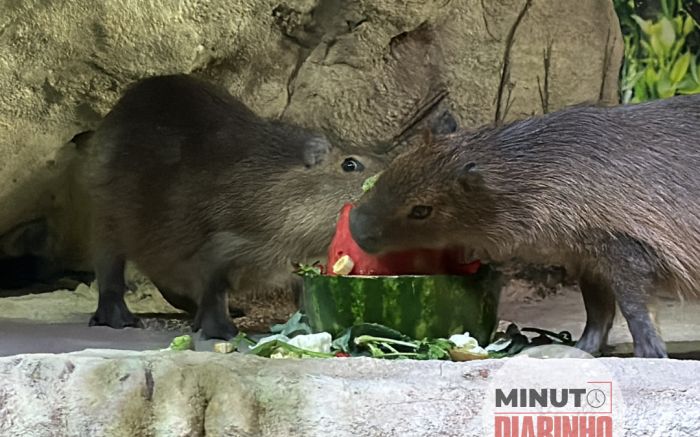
379 341
269 348
296 325
346 340
182 343
368 184
315 269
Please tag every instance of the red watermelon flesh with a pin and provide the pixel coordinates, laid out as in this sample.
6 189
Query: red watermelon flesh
413 262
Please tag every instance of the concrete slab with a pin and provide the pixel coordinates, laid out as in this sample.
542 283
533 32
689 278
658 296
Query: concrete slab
679 321
57 322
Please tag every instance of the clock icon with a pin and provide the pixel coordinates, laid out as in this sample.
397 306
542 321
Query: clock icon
596 398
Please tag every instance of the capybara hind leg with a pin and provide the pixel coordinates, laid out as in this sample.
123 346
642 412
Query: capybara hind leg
629 270
111 308
647 341
599 302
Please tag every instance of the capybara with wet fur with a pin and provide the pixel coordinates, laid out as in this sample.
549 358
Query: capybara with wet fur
611 193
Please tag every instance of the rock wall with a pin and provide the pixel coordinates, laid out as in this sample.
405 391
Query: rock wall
364 71
109 393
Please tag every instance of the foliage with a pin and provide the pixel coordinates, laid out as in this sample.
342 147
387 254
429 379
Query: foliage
294 339
315 269
282 349
661 56
297 324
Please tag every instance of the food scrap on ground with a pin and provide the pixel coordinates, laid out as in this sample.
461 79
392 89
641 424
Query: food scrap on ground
294 339
181 343
224 347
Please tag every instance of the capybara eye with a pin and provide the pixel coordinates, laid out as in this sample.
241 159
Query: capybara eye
352 164
419 212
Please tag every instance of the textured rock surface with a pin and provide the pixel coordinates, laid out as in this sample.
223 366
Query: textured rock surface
358 69
190 394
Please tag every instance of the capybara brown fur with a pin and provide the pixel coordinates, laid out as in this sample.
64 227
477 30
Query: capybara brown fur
610 193
204 196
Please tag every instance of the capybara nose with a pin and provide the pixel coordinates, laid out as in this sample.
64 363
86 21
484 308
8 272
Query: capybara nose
364 231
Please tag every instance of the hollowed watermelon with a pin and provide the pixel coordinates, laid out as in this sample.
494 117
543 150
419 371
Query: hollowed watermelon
414 262
421 293
418 306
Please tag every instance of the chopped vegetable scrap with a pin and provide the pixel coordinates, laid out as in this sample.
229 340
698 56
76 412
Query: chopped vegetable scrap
466 348
181 343
368 184
295 340
224 347
300 346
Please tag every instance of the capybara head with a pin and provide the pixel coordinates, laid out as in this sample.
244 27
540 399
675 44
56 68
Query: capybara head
305 200
432 196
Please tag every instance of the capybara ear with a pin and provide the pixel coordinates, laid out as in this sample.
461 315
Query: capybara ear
315 150
444 124
469 176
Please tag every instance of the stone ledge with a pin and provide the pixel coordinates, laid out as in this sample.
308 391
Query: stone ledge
106 392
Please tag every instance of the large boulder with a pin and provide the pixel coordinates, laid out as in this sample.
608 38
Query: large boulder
364 71
109 393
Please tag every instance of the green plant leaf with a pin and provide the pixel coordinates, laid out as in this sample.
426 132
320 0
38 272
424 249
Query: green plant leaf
346 340
640 92
657 47
631 81
688 26
644 25
688 86
665 88
651 76
627 96
680 44
438 349
343 343
667 35
270 347
680 68
678 24
297 324
690 91
315 269
694 69
688 83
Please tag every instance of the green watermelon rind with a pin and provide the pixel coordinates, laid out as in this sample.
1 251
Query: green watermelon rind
418 306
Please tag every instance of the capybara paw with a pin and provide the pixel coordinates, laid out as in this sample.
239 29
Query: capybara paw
650 349
217 328
114 315
591 344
